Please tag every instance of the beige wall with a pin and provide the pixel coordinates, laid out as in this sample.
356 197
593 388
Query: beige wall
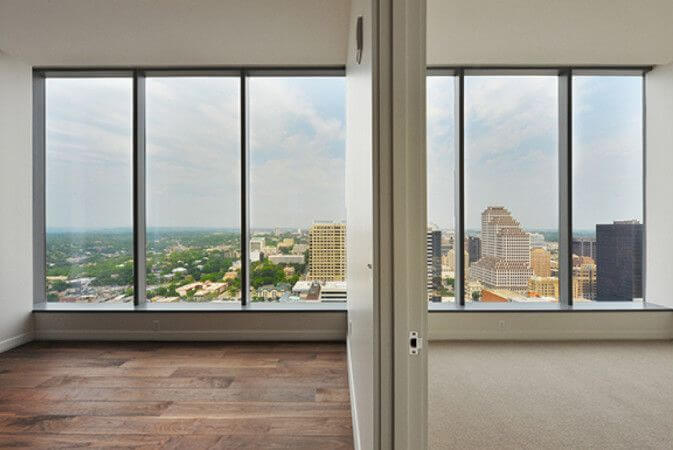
550 326
174 32
195 326
554 32
362 342
16 263
659 187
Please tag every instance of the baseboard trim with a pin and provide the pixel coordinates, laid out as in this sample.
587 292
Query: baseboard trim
351 393
190 335
15 341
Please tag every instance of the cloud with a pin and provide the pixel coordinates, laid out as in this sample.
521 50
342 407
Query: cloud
297 148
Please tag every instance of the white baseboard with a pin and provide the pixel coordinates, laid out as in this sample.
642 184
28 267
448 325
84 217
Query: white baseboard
15 341
351 392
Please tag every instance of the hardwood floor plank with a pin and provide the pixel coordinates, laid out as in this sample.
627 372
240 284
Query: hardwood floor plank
175 395
84 408
230 410
68 441
137 382
310 426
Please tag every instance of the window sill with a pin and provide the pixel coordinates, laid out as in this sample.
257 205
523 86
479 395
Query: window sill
187 307
545 307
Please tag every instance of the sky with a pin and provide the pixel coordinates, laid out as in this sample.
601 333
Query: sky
511 156
297 150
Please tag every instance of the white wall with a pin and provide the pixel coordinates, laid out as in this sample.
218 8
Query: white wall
659 187
174 32
16 263
553 32
362 341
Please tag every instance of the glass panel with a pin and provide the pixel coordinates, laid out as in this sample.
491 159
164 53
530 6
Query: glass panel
607 188
511 188
193 189
89 207
297 191
440 252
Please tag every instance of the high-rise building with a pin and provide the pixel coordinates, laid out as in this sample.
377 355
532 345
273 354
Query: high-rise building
540 262
433 259
619 260
549 287
473 248
584 247
505 249
585 275
451 260
327 251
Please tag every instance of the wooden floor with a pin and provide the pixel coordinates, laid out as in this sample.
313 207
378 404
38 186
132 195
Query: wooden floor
175 395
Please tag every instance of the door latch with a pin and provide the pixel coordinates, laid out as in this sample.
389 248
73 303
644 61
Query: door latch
415 343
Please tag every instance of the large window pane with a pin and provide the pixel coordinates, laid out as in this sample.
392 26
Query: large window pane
511 187
297 192
193 189
440 251
89 213
607 187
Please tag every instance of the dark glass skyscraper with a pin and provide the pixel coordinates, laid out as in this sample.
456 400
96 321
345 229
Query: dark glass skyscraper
474 248
585 247
619 248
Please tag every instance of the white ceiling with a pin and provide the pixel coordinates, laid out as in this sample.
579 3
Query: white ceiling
175 32
550 32
315 32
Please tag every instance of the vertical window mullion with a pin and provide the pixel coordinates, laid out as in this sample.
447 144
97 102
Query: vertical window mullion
139 185
39 191
459 179
644 212
565 273
245 192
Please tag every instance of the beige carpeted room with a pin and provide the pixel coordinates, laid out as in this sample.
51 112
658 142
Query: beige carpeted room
544 395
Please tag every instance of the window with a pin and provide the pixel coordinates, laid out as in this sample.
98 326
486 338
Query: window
440 239
608 187
297 191
193 189
88 179
513 163
223 187
511 188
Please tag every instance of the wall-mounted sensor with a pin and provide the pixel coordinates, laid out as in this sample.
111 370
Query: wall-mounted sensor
358 40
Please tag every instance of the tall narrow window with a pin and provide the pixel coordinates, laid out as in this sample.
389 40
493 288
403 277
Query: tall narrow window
297 190
511 188
440 242
607 188
193 189
89 212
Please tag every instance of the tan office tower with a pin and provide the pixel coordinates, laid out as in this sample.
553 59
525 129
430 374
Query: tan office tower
540 261
327 251
505 252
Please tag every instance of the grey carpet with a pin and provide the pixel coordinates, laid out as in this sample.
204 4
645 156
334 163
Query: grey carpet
585 395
